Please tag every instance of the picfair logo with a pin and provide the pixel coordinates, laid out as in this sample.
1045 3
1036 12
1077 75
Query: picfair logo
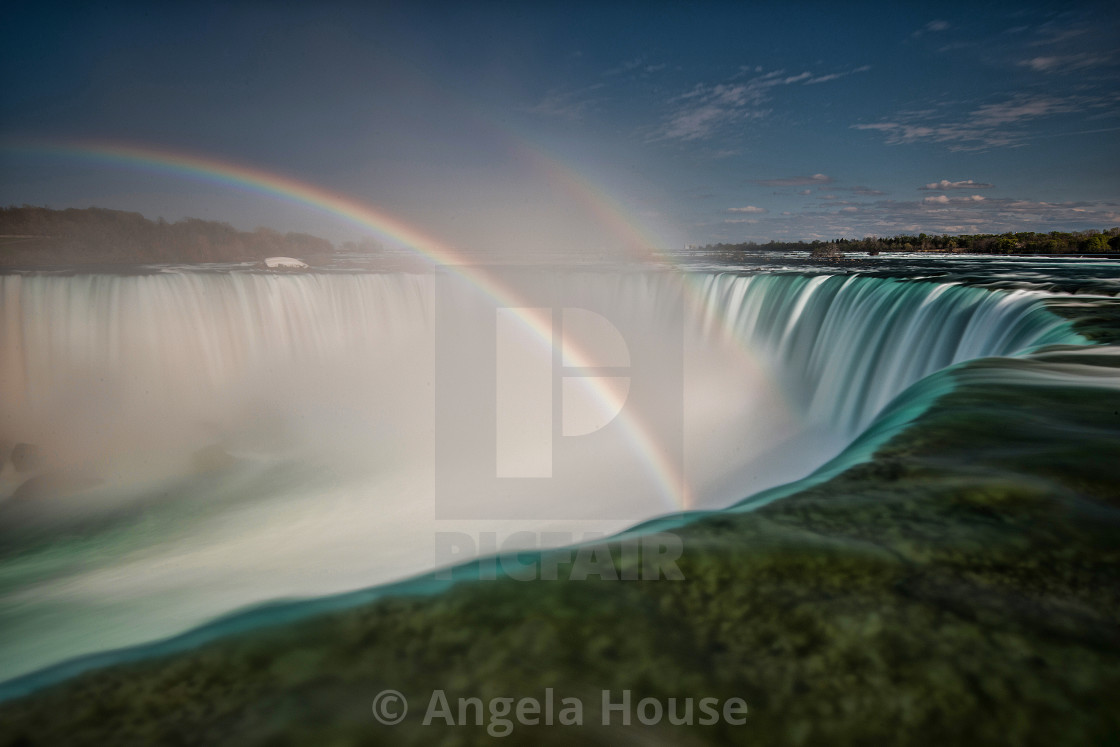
555 394
588 370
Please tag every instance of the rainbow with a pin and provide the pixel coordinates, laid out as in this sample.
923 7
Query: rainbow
638 240
670 479
241 176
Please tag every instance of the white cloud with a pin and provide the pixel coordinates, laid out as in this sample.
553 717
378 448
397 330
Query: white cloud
1016 110
932 28
945 184
747 209
836 76
824 78
946 200
997 124
1065 63
694 124
707 109
1053 33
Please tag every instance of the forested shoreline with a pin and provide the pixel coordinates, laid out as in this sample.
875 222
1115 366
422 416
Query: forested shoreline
1023 242
32 236
38 236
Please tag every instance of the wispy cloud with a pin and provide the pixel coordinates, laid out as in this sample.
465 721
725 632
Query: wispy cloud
747 209
795 181
569 105
626 67
1065 63
946 200
836 76
932 27
825 78
998 124
1056 32
636 67
861 191
1023 108
704 109
573 104
708 109
945 184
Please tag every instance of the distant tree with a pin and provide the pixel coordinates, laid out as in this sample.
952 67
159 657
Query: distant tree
1096 244
826 250
74 236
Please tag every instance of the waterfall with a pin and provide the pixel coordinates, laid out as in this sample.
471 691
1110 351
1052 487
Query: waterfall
310 397
847 345
102 367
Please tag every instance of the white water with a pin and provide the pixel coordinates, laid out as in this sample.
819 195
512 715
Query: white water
321 386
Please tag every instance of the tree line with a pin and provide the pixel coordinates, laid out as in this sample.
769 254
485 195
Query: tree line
32 235
1024 242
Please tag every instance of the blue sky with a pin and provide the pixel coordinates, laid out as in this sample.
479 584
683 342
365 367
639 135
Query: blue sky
704 122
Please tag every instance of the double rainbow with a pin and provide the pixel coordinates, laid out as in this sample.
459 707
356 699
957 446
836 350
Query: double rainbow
668 476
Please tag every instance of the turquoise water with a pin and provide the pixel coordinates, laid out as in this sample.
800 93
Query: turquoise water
158 559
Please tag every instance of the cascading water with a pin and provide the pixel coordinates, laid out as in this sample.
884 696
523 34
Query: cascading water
847 345
244 437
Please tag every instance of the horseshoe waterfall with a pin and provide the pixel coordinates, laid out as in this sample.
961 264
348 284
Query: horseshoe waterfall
198 443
